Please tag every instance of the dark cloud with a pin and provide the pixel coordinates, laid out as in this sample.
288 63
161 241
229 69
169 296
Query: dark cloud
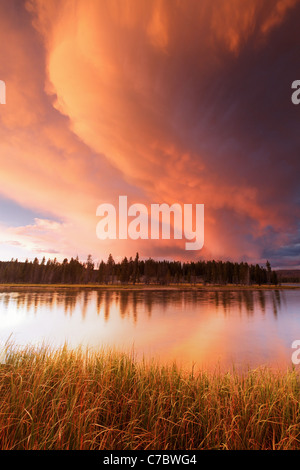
183 101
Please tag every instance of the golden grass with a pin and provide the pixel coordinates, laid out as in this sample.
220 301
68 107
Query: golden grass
74 399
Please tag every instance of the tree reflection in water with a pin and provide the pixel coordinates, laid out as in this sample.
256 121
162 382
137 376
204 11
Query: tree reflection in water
130 302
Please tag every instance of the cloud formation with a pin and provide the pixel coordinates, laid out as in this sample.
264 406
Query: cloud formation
184 101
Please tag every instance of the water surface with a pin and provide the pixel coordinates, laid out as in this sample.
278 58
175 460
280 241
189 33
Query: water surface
204 328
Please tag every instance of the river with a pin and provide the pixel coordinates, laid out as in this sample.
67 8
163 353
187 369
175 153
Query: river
194 328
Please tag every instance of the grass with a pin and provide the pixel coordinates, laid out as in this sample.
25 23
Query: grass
74 399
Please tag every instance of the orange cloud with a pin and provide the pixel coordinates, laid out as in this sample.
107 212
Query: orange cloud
137 97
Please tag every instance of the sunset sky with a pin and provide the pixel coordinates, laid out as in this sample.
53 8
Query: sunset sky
175 101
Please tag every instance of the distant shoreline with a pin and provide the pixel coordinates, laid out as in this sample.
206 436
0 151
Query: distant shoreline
149 287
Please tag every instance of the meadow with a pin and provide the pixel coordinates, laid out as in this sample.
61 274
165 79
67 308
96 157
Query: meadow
67 399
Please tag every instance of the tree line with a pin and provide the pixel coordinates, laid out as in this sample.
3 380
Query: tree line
133 271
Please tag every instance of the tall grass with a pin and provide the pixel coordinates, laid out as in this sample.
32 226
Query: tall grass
74 399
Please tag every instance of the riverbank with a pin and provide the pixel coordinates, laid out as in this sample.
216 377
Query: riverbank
62 399
182 287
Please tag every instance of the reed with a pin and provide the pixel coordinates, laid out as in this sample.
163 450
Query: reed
76 399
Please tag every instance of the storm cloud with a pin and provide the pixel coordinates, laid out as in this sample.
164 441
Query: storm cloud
183 101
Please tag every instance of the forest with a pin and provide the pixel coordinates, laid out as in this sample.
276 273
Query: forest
134 271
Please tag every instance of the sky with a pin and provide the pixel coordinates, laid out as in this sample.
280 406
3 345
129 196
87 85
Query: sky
182 101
